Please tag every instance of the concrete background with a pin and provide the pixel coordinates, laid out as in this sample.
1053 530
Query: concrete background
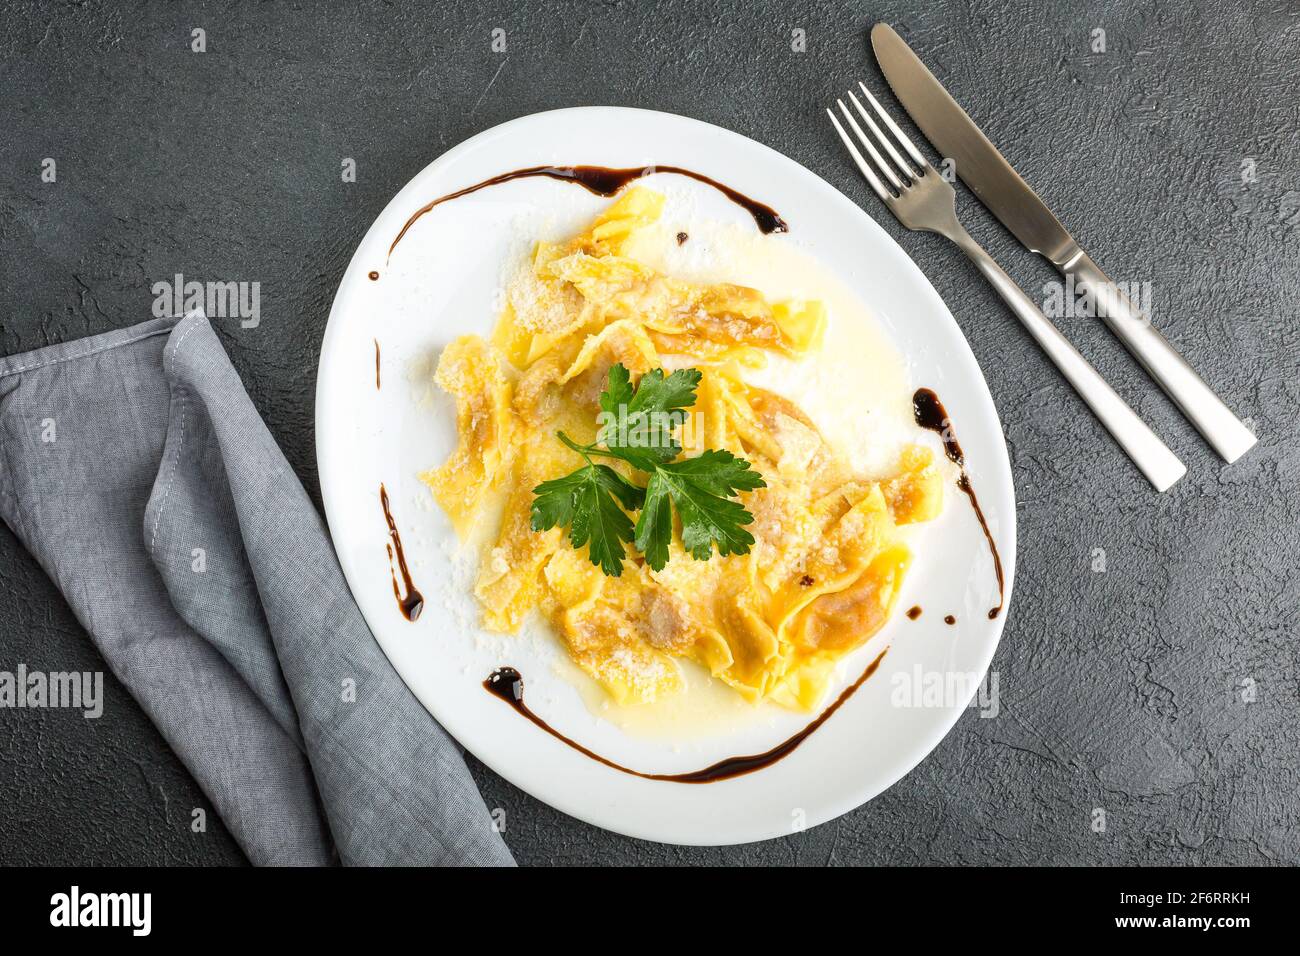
1125 690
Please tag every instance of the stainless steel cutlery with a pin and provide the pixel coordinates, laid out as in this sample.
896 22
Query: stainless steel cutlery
980 165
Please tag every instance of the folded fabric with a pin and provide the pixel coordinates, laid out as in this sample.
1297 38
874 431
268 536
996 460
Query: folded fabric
136 470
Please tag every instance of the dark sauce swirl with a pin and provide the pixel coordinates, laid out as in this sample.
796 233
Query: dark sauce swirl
604 181
930 413
507 684
412 602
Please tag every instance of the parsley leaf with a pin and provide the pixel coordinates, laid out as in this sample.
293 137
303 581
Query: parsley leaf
587 501
637 426
701 489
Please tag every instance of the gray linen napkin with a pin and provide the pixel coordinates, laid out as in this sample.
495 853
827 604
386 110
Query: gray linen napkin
135 468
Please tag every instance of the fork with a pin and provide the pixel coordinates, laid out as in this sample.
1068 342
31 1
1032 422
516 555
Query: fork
924 202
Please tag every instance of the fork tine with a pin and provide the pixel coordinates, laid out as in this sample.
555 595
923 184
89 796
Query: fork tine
863 167
903 165
912 151
882 164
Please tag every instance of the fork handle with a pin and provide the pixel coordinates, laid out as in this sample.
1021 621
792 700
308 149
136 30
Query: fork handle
1153 458
1212 418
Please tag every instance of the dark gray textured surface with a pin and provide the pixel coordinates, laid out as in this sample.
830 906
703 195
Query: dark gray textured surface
1120 690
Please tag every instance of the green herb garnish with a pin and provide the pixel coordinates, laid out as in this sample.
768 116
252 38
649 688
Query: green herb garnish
637 427
587 502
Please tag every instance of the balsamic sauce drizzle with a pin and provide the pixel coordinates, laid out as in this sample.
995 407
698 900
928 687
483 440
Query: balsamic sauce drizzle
604 181
931 414
374 276
413 603
914 612
508 684
376 365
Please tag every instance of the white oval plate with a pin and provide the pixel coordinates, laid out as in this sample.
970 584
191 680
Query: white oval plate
444 279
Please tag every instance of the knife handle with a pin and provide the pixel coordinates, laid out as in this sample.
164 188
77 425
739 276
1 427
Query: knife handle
1212 418
1153 458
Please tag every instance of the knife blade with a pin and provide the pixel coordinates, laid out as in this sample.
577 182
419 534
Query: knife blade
999 187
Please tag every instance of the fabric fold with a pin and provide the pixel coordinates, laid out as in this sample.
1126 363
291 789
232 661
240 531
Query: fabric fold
138 472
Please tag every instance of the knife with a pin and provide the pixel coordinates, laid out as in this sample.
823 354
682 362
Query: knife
1000 188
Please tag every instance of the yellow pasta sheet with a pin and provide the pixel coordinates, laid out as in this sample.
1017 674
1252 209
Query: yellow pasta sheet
827 564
